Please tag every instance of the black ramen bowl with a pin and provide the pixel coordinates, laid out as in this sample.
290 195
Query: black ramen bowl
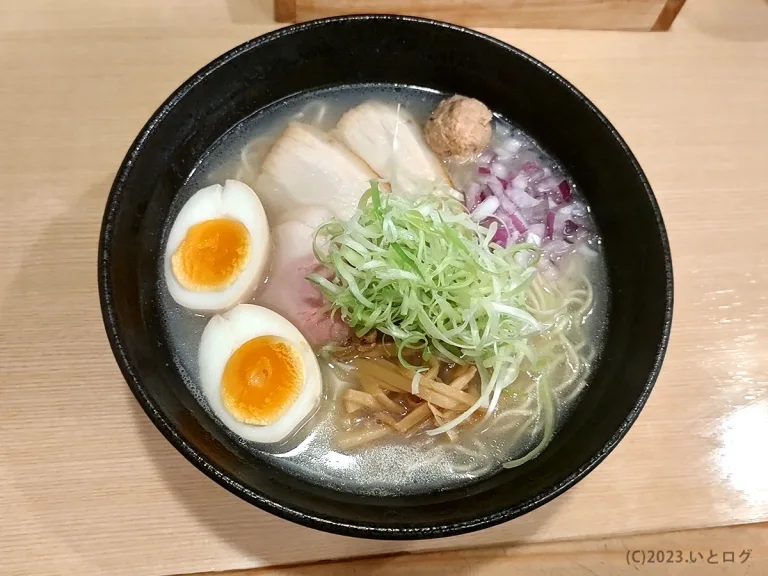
414 52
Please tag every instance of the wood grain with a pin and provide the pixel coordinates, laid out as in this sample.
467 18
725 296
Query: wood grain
667 15
569 14
88 486
285 11
718 551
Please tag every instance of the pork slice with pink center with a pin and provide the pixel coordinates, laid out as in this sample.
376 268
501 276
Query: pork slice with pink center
289 293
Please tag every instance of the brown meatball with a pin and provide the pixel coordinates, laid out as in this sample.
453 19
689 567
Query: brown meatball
458 128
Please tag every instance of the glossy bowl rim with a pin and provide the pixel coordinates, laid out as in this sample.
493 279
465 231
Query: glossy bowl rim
335 525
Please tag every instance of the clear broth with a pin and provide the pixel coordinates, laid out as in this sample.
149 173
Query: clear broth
395 465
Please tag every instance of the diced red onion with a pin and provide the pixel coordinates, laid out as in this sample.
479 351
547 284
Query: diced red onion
472 196
559 225
485 209
518 223
502 154
512 145
520 181
496 187
485 158
548 184
549 227
501 236
508 206
502 130
520 198
539 211
506 218
533 171
512 187
483 179
533 238
498 170
573 233
537 229
579 210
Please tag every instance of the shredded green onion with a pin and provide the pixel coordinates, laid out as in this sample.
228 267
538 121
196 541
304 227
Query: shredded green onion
422 272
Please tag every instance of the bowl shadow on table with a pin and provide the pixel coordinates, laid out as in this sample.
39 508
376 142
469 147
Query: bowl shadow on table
272 541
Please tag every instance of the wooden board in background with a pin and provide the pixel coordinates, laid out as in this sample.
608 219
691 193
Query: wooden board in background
589 14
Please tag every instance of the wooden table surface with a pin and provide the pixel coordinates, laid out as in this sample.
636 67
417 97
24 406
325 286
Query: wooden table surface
88 486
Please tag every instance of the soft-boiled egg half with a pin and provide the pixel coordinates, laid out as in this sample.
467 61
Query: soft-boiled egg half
218 248
258 373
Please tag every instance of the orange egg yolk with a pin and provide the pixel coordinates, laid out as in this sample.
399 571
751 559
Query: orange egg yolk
212 254
261 380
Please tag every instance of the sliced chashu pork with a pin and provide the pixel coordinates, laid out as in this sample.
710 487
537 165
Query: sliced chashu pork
288 292
391 142
307 166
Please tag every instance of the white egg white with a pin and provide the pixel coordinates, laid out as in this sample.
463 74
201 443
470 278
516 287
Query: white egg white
223 335
236 201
